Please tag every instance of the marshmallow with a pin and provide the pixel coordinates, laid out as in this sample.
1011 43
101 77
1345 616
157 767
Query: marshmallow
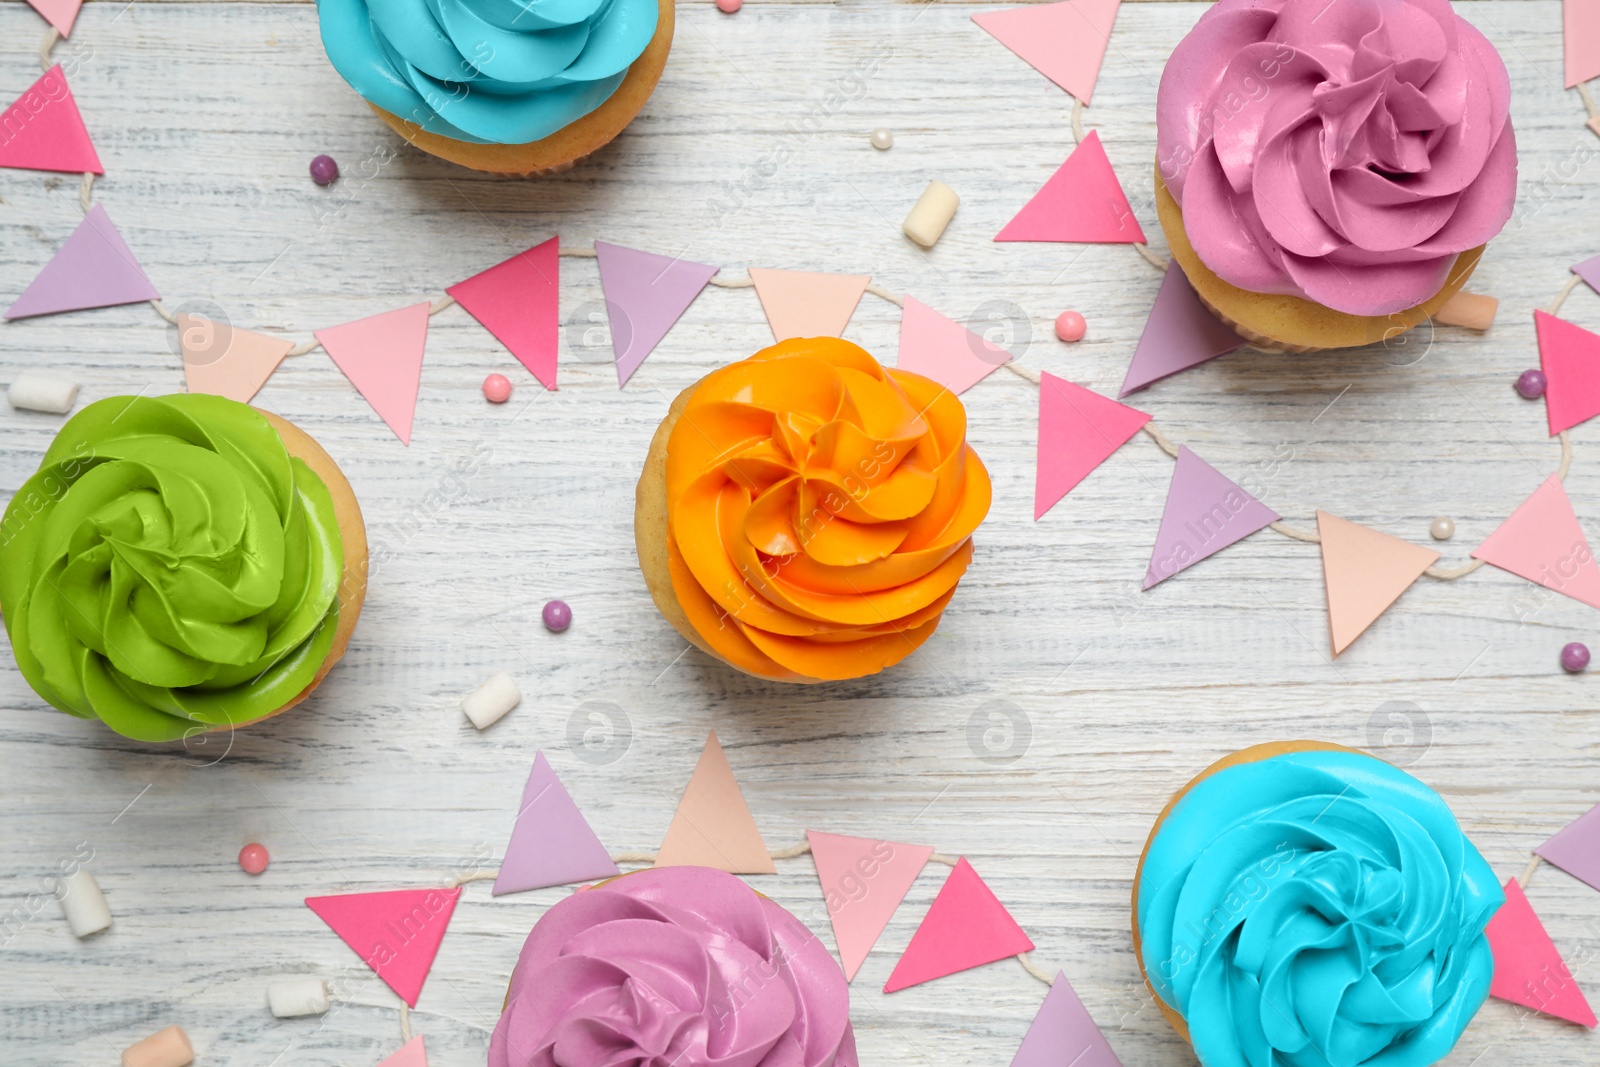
37 390
488 703
931 214
83 904
290 997
164 1048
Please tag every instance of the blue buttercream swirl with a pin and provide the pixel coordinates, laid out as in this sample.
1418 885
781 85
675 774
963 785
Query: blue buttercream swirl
487 71
1316 909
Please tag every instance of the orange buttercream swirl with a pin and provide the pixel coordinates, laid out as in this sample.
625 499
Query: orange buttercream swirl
820 510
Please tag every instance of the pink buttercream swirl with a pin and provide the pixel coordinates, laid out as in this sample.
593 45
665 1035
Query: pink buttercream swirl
1340 150
675 967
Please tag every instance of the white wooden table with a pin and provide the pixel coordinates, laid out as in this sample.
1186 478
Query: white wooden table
206 114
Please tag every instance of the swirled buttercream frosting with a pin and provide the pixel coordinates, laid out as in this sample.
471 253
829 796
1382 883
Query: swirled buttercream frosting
170 567
677 965
486 71
820 510
1342 152
1316 908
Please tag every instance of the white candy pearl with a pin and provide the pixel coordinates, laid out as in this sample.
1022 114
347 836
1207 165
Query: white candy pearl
882 139
1443 528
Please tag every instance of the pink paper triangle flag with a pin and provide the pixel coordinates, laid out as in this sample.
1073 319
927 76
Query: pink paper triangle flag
382 357
1570 357
1065 42
1180 333
43 130
551 842
713 826
1576 849
1082 202
1063 1033
1580 31
1589 271
94 269
1206 511
412 1054
226 360
1364 572
396 933
1527 968
966 927
1543 543
59 13
519 302
1078 431
944 350
800 303
645 295
863 882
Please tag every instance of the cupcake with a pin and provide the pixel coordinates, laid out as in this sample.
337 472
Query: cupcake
180 564
504 86
1303 903
805 514
676 965
1327 174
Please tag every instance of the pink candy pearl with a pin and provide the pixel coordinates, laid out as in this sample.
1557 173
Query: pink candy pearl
1070 326
728 7
497 388
253 858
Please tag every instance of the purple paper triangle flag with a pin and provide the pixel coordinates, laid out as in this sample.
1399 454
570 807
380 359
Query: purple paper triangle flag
94 269
645 294
1589 271
551 844
1180 333
1206 512
1576 849
1064 1033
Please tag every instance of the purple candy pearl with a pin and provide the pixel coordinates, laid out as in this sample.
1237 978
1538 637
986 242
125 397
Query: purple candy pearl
557 616
1574 657
1531 384
324 171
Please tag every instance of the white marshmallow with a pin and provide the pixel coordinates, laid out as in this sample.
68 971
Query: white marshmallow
931 214
83 904
290 997
37 390
488 703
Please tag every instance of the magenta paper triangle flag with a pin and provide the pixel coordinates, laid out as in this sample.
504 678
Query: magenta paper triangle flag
1206 512
551 843
1063 1033
382 357
1580 31
59 13
1543 543
1527 968
519 302
94 269
226 361
645 295
1082 202
863 881
944 350
396 933
44 130
1078 431
1180 333
1576 849
966 927
412 1054
1589 271
1570 357
1065 42
801 303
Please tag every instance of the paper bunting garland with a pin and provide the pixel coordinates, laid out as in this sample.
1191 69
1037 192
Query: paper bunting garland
44 130
645 295
1180 333
713 826
396 933
226 361
551 842
1570 358
1066 42
1580 32
1364 571
412 1054
1543 543
1064 1033
965 927
863 881
519 301
1527 968
1082 202
804 304
59 13
1206 511
382 357
94 269
944 350
1576 849
1078 431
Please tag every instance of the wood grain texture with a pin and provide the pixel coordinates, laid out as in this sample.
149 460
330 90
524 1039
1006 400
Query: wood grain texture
754 150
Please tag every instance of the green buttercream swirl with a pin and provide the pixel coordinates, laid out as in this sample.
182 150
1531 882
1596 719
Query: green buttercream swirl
170 567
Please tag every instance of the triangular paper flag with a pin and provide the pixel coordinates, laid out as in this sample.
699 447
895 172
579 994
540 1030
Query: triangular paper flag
94 269
1527 968
411 1054
397 933
1580 31
519 302
863 882
59 13
1543 543
1180 333
382 357
713 826
944 350
1589 271
1078 431
645 294
1082 201
803 304
551 843
44 130
225 360
1206 512
1570 356
1364 571
1065 42
966 927
1576 849
1063 1033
